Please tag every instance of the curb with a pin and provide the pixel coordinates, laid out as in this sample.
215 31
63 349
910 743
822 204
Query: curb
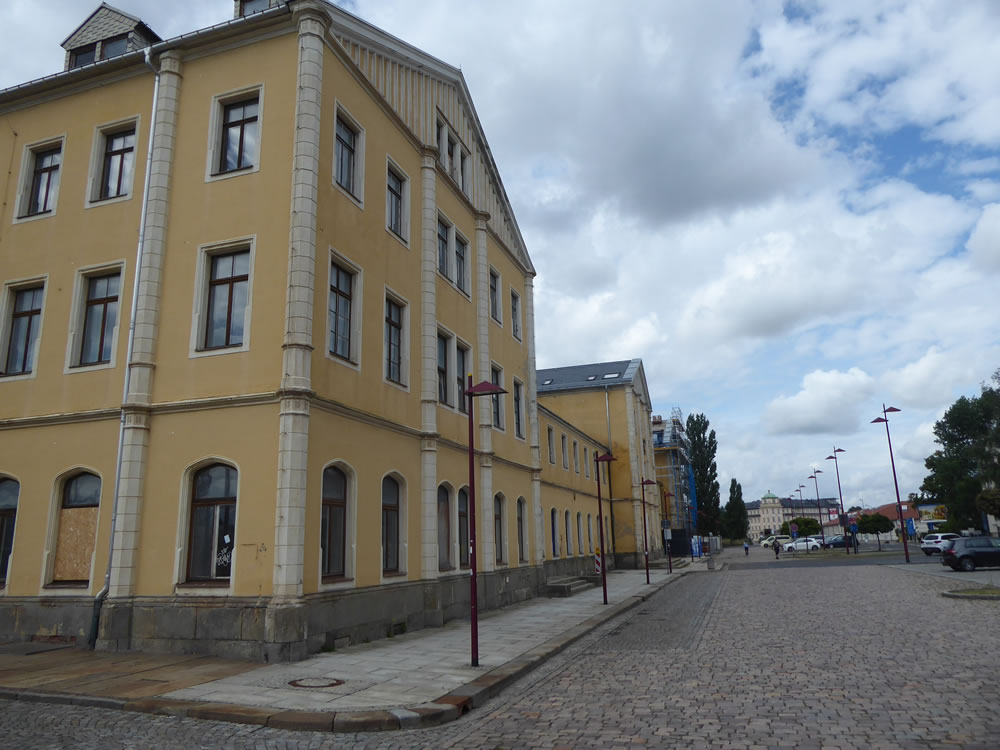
447 708
982 597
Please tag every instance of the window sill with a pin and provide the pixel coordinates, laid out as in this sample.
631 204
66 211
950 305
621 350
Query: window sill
67 585
398 237
336 579
394 574
217 583
32 217
231 172
109 200
449 569
351 196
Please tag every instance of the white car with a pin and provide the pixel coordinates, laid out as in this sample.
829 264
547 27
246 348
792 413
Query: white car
805 543
932 543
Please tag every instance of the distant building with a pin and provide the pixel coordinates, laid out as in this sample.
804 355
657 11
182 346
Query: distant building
767 514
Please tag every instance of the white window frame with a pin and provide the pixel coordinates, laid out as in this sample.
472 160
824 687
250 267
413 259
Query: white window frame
214 150
404 341
519 417
184 526
403 237
515 314
200 302
340 111
564 445
460 343
350 526
78 309
9 292
576 456
568 523
453 243
28 174
498 318
357 308
450 356
96 170
552 444
504 555
502 427
449 250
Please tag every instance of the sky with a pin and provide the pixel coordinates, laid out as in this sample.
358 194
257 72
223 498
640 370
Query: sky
790 211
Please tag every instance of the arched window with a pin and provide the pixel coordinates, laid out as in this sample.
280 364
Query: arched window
9 491
520 530
579 533
554 525
498 526
444 528
390 525
333 531
590 534
81 497
213 524
569 535
463 528
82 491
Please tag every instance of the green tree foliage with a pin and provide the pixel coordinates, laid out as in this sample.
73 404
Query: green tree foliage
966 462
706 475
854 509
735 519
875 523
807 527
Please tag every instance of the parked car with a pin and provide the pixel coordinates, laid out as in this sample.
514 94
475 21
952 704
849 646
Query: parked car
970 552
805 543
932 543
836 541
781 539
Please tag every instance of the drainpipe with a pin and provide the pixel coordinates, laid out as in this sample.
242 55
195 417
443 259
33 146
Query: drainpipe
103 593
611 494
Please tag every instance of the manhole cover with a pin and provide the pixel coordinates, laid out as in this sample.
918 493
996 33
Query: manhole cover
315 682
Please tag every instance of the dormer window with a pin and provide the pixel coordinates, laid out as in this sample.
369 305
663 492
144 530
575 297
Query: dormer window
114 47
253 6
83 56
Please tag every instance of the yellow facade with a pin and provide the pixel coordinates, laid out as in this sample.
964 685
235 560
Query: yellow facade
275 409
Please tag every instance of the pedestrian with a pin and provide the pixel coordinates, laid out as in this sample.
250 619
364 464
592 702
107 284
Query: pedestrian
746 548
777 549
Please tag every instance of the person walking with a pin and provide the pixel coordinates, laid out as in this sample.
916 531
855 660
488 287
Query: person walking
777 549
746 548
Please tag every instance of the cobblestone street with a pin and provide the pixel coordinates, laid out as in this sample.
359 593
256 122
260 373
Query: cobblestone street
812 656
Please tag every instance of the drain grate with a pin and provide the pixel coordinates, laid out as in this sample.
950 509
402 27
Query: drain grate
315 682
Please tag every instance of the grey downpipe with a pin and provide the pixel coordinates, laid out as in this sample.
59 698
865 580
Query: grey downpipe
103 593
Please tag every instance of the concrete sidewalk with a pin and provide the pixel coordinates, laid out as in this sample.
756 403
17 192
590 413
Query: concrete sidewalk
414 680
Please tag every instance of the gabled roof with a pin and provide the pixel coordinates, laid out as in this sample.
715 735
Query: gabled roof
593 375
114 20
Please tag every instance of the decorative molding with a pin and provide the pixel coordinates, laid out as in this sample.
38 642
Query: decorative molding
64 418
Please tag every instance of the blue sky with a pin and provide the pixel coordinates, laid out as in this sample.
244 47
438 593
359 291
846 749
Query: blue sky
790 212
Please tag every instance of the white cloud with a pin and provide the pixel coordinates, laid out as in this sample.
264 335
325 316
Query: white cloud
984 242
827 403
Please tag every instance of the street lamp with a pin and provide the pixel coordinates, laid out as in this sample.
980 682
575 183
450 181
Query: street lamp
802 503
602 459
472 392
843 516
645 543
899 505
819 509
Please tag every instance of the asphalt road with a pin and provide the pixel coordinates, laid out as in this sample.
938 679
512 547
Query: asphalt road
762 655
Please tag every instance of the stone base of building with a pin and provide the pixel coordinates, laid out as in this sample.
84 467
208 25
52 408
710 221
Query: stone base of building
266 629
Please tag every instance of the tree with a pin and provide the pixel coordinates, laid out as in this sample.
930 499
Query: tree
876 524
854 509
735 519
806 526
706 476
966 462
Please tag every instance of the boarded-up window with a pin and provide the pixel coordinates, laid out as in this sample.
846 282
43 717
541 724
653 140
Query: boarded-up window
81 497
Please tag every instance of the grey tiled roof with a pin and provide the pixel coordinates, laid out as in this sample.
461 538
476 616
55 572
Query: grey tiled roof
794 504
593 375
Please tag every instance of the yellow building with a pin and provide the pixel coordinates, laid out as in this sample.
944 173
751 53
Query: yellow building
610 401
248 427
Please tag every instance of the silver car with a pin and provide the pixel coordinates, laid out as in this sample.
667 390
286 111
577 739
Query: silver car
805 543
931 543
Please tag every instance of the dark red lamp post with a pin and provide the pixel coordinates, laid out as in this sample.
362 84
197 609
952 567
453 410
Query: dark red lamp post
598 460
899 506
645 542
819 509
670 565
472 392
843 516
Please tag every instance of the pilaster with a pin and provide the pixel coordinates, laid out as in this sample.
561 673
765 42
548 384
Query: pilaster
484 440
533 430
296 382
428 363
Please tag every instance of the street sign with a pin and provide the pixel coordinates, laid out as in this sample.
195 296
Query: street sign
668 534
795 535
794 527
854 528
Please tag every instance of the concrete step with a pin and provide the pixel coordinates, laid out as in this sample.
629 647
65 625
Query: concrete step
567 586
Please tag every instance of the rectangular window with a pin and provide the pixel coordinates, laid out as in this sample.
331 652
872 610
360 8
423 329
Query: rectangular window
586 462
461 270
463 173
552 446
23 325
347 138
114 47
461 375
515 314
443 248
341 301
394 202
576 457
494 292
228 285
44 187
83 55
239 135
394 341
496 377
442 368
565 453
99 319
252 6
518 421
117 164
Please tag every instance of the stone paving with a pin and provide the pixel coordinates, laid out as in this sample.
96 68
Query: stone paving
771 657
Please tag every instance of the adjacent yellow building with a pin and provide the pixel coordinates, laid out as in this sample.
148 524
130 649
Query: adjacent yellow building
244 274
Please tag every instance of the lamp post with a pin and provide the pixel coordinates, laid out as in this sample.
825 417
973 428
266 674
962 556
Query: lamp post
598 460
645 542
471 392
899 505
843 516
802 503
819 509
670 565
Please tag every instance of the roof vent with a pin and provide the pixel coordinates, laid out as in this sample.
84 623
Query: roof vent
591 377
547 382
612 375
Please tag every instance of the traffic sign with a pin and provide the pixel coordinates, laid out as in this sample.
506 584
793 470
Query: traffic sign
854 528
794 527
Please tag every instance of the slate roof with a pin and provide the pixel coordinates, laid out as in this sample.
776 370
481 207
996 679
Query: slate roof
592 375
794 504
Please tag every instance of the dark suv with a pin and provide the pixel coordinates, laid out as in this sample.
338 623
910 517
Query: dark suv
970 552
